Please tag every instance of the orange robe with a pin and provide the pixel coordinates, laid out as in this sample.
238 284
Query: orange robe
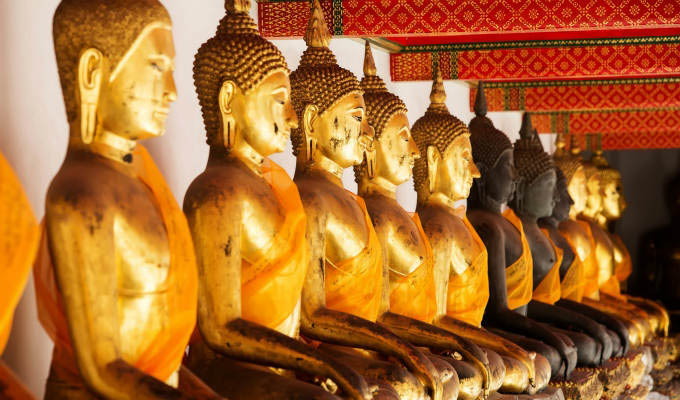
468 292
271 287
19 234
414 295
354 285
590 269
573 282
623 267
549 290
519 276
164 355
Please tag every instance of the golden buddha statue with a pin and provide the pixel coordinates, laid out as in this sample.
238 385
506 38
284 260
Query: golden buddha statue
115 275
19 236
248 225
443 176
342 297
409 258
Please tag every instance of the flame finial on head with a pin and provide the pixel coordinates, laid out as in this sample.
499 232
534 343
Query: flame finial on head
480 101
574 147
237 6
369 62
438 94
560 145
317 34
526 131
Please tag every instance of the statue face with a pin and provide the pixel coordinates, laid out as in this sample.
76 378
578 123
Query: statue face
611 199
539 196
500 180
135 100
594 199
265 116
578 191
458 169
563 201
396 151
338 129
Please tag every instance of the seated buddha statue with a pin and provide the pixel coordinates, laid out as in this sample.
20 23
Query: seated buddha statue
534 199
443 175
343 290
19 234
509 255
576 234
248 225
409 259
115 275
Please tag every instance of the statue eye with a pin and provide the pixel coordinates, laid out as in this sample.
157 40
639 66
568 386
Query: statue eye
358 118
157 67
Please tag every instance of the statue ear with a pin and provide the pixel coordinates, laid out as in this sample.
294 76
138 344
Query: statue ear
224 100
309 117
433 159
90 69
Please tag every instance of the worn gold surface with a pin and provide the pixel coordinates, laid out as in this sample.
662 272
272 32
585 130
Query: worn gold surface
107 238
333 135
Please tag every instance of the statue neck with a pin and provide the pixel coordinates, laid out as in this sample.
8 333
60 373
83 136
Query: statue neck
549 221
481 201
241 150
527 218
105 144
329 168
377 186
439 198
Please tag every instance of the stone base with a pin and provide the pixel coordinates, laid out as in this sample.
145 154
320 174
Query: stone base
614 375
639 392
583 384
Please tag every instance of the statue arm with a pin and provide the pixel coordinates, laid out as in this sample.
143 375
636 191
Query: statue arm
564 317
192 386
219 311
427 335
497 312
610 322
324 324
81 242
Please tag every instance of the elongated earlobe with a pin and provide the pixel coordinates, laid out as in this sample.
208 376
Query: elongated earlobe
308 118
226 114
433 158
89 87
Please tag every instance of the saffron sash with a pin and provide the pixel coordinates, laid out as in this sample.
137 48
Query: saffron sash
271 287
414 295
468 292
573 281
518 276
623 267
19 234
549 290
590 270
355 285
164 355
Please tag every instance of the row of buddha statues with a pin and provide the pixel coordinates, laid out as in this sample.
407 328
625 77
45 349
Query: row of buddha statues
298 288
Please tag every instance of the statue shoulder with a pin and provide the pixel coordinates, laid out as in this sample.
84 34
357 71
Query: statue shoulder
487 225
218 187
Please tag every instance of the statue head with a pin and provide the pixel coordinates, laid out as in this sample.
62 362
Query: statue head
447 166
611 187
593 187
243 86
394 148
563 201
493 156
535 192
329 103
116 61
570 165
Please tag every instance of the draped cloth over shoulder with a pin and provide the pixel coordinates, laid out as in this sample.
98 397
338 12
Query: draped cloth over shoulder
624 266
468 293
549 290
590 270
271 286
414 295
519 276
19 236
573 282
163 356
354 285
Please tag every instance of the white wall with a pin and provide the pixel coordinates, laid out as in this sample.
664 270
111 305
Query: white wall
33 129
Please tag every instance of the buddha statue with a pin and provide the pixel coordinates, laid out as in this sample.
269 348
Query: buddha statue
410 273
248 226
342 297
510 262
115 275
442 176
534 199
19 234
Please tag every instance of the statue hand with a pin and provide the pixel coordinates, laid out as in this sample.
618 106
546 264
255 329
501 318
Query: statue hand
352 384
423 368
